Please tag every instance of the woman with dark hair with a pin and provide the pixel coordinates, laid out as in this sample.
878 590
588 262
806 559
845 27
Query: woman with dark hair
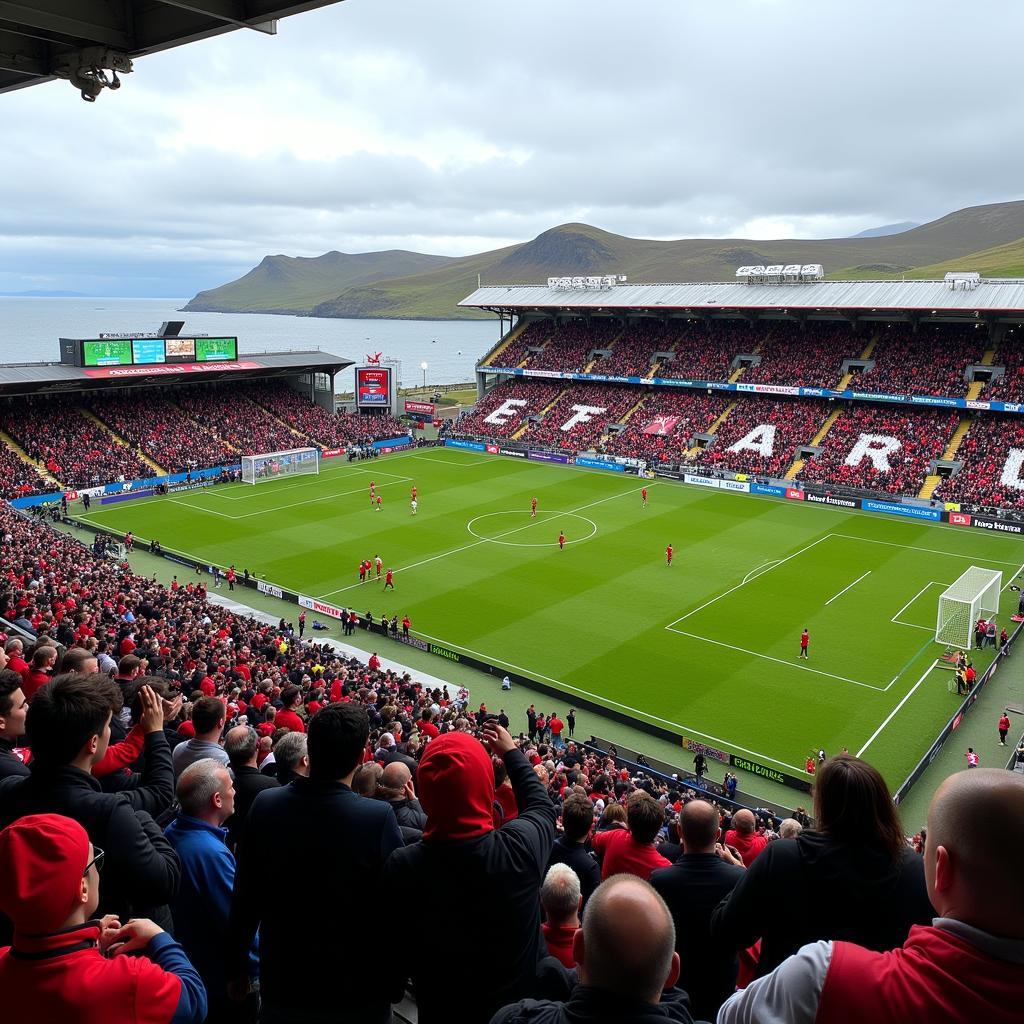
854 877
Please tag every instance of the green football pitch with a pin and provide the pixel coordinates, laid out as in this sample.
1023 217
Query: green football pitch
707 647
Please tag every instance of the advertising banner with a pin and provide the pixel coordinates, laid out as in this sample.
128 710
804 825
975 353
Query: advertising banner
472 446
393 442
959 519
996 525
696 747
776 492
165 370
582 460
770 773
908 511
268 588
735 485
331 453
146 492
701 481
794 494
492 449
420 408
548 457
319 606
512 453
828 499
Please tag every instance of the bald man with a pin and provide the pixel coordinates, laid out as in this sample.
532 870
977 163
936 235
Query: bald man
396 787
968 965
745 838
626 952
692 887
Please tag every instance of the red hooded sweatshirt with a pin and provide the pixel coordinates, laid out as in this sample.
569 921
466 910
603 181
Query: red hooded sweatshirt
456 809
57 973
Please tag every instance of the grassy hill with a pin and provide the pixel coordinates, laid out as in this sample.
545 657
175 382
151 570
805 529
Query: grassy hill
407 285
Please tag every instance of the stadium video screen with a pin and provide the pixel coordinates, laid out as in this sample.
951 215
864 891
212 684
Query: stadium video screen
180 350
373 386
147 350
215 350
107 353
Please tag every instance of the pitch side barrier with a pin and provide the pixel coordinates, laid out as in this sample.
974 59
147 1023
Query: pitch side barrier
954 722
930 401
625 757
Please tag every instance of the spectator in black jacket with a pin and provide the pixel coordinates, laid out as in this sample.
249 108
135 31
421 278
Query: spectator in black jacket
397 788
692 887
626 952
494 936
313 963
241 743
854 879
572 847
13 709
68 729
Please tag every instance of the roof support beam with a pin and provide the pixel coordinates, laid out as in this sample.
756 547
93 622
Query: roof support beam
22 55
230 12
65 17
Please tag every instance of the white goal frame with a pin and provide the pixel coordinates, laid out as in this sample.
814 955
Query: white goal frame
260 469
975 595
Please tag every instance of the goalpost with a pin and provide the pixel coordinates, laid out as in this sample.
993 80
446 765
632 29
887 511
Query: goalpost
258 469
974 596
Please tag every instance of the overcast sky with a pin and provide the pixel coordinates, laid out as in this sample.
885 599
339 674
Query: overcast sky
452 126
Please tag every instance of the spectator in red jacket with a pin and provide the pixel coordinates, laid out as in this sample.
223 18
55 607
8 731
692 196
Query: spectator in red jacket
745 838
632 851
40 672
968 965
561 900
286 717
64 966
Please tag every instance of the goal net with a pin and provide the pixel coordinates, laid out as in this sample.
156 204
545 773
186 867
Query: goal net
974 596
257 469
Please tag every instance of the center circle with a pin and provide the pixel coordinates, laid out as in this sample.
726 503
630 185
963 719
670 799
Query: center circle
508 535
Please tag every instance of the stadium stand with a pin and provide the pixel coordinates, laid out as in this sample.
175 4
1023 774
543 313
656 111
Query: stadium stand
534 335
589 408
159 429
569 345
810 357
75 449
989 465
929 361
1009 387
242 423
768 431
536 396
18 478
704 351
662 430
904 441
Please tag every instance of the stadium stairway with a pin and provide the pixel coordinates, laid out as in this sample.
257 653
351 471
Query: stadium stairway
191 419
504 344
590 365
933 479
13 445
847 378
736 374
547 408
118 439
798 464
634 409
723 416
305 438
975 389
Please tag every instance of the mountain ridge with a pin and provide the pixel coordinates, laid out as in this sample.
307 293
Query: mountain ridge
400 284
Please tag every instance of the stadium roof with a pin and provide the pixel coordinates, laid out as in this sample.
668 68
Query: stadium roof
60 378
41 38
989 296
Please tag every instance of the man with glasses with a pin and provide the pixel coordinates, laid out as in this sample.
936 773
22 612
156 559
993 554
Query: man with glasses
64 964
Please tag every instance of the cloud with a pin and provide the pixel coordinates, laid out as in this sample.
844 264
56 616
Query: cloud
451 128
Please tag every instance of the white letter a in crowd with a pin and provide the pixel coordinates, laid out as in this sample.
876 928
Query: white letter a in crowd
1011 471
877 448
761 440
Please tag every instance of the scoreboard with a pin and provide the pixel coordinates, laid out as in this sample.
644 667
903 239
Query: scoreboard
373 387
147 351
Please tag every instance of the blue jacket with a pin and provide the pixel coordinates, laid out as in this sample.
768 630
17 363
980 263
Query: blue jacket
201 908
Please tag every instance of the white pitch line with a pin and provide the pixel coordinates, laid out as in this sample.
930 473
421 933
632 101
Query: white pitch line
931 551
1012 578
743 583
845 589
756 571
892 714
778 661
601 699
896 617
467 547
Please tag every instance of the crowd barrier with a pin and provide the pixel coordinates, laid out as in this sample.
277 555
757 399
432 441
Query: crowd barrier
778 390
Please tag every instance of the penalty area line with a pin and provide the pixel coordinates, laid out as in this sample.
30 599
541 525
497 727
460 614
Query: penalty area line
601 699
845 589
892 714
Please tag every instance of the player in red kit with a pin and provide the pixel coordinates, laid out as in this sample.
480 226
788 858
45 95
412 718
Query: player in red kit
643 494
533 508
362 572
389 579
668 555
561 539
380 565
378 502
414 494
373 491
805 639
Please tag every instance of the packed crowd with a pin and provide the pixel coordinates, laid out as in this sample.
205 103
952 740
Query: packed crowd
193 804
1010 355
633 352
158 428
589 408
570 344
75 449
241 423
811 357
991 474
881 449
18 477
535 335
535 396
705 351
761 435
929 361
663 429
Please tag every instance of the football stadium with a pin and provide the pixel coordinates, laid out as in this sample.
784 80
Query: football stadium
666 671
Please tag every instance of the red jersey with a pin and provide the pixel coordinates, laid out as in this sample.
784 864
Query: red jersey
388 576
622 854
643 494
561 540
378 501
804 638
533 503
289 720
668 552
414 494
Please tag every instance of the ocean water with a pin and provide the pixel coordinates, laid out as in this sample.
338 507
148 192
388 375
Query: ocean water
30 327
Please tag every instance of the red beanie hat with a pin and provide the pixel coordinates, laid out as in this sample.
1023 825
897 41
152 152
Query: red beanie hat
42 857
455 780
